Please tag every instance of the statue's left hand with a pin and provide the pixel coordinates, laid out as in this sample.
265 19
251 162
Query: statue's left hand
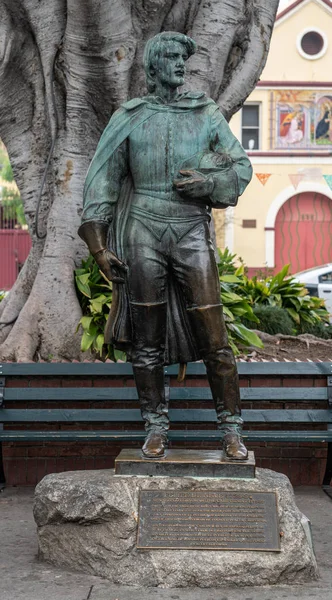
194 184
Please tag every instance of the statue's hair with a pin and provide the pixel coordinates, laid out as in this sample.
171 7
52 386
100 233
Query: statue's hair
153 49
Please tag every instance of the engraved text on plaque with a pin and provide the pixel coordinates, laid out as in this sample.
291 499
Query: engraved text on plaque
210 520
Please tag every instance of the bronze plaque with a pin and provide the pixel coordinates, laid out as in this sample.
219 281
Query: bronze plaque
208 520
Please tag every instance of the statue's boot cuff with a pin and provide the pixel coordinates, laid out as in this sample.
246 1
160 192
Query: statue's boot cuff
155 444
234 447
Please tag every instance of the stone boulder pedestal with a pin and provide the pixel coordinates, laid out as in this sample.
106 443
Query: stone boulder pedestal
87 520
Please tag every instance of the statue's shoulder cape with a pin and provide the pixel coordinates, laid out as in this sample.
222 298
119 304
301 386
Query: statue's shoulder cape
130 115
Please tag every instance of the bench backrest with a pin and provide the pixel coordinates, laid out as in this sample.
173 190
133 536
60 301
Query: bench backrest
119 404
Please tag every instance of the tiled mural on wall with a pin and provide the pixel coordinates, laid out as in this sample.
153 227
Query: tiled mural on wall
302 119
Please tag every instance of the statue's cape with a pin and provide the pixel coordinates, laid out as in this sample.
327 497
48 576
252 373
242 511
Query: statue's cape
179 345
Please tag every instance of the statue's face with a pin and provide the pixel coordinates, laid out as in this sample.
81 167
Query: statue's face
170 64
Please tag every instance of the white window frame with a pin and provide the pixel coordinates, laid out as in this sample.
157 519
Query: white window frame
311 56
259 104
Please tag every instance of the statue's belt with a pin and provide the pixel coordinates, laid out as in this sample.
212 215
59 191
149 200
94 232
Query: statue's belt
158 224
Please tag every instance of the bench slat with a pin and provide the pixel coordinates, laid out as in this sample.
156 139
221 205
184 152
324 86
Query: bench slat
8 415
70 394
176 394
111 436
119 369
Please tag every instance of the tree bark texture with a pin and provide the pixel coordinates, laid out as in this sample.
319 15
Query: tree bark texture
66 65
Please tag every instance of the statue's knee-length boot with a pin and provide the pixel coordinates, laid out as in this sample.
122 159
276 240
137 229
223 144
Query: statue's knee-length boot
149 326
211 336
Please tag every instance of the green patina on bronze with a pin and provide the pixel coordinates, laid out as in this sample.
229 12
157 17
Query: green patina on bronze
162 163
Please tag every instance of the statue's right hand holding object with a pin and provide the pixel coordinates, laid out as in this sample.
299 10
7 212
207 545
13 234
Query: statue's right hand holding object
194 184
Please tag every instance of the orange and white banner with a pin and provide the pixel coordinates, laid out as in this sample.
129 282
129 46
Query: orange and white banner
263 177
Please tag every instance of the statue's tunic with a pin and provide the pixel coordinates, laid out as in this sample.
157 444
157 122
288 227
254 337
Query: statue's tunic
156 149
131 185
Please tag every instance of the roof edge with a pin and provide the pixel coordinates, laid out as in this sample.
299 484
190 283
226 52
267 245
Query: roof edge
295 4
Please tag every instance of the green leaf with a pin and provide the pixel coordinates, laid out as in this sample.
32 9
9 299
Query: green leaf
247 336
98 303
82 284
230 297
87 341
230 279
295 316
86 322
283 273
99 343
119 355
228 313
79 271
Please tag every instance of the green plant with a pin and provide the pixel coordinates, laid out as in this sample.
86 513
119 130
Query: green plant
2 295
226 262
13 206
95 296
246 303
235 309
283 291
7 171
272 320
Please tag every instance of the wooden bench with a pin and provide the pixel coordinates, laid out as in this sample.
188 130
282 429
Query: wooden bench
192 414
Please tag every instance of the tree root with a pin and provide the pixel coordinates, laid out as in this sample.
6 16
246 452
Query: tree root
45 326
294 347
13 303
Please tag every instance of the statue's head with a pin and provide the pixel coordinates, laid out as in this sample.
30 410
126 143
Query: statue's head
164 59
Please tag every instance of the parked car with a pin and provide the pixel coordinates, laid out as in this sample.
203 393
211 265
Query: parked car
318 282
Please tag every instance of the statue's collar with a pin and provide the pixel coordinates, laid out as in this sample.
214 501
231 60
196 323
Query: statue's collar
185 100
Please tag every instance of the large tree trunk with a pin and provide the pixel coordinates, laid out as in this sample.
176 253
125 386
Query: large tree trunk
66 65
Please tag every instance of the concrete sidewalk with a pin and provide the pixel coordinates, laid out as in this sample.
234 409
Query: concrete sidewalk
23 577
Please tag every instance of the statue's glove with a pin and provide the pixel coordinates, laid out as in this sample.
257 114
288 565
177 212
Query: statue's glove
112 267
194 184
95 233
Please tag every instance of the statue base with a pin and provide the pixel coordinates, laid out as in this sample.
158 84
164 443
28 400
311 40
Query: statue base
184 463
88 520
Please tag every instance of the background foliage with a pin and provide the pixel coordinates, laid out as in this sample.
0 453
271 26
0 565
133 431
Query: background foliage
10 196
95 296
274 304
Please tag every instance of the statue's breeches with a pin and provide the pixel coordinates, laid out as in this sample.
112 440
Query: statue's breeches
188 258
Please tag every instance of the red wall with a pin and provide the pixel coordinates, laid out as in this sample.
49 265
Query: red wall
15 246
303 232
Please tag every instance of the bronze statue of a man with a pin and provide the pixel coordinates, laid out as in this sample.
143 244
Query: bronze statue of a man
162 163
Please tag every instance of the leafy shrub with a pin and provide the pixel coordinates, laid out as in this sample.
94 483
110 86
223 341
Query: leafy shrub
95 296
283 291
7 171
246 303
226 263
272 320
10 197
2 295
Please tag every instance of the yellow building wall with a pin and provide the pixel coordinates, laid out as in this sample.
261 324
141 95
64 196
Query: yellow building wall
284 64
250 244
